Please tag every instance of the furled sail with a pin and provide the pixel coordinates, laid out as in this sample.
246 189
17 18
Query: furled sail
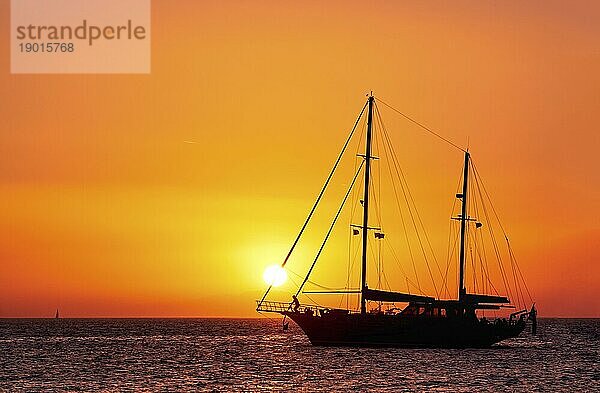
386 296
476 298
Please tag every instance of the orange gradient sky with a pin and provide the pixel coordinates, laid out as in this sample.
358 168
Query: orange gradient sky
106 210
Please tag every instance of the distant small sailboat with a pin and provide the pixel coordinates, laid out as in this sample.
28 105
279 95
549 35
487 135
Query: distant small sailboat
56 316
387 317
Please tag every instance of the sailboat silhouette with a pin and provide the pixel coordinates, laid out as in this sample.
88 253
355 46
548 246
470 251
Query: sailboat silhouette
388 317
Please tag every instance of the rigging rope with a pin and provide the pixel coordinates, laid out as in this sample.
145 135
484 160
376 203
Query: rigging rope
315 283
407 195
451 245
354 202
408 280
420 125
330 229
519 270
505 280
518 278
335 165
410 252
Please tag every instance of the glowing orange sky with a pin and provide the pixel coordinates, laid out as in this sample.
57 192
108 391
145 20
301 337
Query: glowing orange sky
106 211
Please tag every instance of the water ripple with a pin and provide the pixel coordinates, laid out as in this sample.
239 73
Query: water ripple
205 355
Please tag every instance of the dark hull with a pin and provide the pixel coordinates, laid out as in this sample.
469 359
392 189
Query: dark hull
402 331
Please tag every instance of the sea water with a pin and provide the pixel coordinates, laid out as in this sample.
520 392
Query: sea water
231 355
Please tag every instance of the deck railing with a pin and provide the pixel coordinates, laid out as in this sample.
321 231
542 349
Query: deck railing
269 306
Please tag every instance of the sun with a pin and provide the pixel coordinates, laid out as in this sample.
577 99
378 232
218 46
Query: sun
275 275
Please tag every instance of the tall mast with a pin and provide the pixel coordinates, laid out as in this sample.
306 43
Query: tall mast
363 304
463 227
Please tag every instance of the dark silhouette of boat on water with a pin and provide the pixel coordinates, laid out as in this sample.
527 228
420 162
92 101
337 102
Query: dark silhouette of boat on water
421 321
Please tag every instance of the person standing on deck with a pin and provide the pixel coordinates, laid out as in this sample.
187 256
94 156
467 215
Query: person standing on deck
296 303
